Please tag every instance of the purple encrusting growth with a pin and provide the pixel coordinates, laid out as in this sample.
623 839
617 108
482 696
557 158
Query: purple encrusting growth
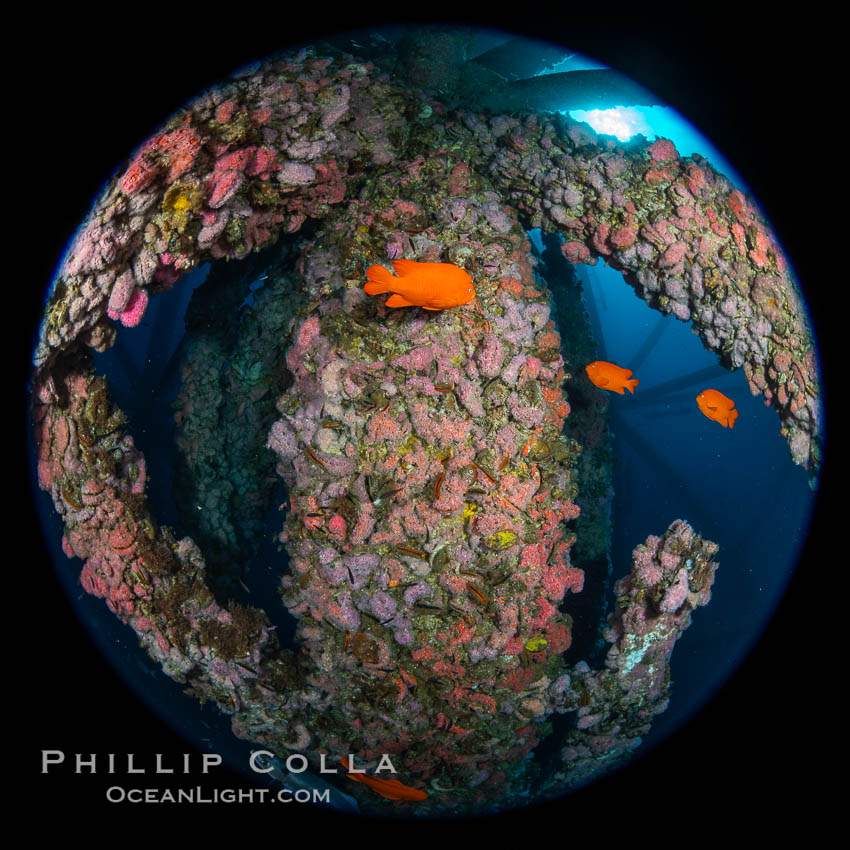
242 163
429 481
670 577
688 242
438 513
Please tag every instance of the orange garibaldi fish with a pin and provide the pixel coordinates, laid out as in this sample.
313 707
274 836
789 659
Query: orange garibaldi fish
392 789
434 286
718 407
609 376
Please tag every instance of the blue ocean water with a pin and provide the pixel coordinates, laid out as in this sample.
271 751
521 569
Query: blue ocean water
735 486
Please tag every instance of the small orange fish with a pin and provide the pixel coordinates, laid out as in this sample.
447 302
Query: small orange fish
392 789
609 376
718 407
434 286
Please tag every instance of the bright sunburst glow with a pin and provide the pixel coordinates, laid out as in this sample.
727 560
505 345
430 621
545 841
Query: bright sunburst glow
622 122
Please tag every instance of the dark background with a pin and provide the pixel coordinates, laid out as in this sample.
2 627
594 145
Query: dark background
89 90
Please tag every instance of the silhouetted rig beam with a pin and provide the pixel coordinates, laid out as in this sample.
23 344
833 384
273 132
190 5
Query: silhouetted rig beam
519 58
649 343
595 89
695 380
665 474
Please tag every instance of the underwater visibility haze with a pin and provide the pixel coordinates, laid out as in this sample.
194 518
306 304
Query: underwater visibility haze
411 396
